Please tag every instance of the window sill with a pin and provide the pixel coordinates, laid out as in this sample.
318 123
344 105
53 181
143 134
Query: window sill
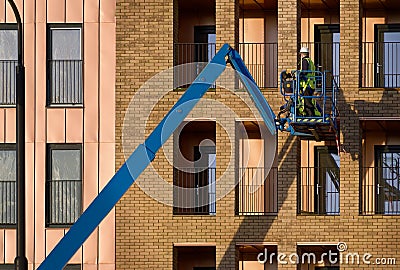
378 88
320 215
58 106
8 226
8 105
59 226
379 215
194 215
256 214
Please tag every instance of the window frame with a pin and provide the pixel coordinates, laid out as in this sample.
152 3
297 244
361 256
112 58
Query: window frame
49 148
64 26
8 147
379 30
321 57
320 200
378 151
10 26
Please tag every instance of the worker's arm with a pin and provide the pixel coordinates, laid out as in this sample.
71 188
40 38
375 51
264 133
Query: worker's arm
304 66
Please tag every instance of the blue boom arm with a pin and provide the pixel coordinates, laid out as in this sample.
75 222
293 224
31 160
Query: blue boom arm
145 153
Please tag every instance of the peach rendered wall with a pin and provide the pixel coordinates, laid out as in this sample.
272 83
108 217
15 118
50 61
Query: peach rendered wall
88 125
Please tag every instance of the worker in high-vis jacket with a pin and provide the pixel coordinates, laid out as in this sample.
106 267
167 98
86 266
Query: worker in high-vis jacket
307 106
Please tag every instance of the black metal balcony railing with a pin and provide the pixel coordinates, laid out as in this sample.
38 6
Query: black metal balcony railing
319 191
65 82
185 53
195 191
64 201
261 60
380 64
257 191
380 191
7 82
8 202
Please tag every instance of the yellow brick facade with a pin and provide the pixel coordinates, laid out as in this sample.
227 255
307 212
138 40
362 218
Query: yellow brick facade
146 230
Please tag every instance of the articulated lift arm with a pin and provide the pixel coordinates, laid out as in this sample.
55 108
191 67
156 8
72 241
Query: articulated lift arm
146 152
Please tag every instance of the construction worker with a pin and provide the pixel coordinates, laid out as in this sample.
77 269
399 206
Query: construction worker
307 84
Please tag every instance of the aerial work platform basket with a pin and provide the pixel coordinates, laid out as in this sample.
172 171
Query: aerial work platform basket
323 125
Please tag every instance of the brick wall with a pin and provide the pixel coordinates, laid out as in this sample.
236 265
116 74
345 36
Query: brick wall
146 230
144 47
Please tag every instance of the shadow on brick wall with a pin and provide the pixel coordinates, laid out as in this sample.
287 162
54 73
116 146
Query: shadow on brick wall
263 223
364 106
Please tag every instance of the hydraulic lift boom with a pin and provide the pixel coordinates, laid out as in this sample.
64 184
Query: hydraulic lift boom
145 153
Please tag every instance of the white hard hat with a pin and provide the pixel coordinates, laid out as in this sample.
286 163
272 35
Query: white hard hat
304 50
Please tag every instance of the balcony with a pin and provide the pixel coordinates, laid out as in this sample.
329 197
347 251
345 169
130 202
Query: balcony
65 82
195 191
8 82
380 190
257 191
380 65
185 53
319 190
260 58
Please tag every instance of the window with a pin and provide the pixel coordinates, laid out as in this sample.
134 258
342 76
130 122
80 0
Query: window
327 180
198 53
387 179
195 168
327 40
8 63
8 184
256 191
319 182
204 39
387 55
63 184
380 173
64 65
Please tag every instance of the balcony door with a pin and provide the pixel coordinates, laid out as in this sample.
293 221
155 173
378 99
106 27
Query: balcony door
327 38
387 55
327 181
387 179
205 39
205 166
204 50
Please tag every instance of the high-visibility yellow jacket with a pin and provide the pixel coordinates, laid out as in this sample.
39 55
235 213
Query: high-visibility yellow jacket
310 76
